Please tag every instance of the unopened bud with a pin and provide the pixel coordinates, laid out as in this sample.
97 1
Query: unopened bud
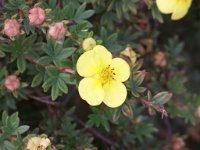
11 27
160 59
57 30
127 111
88 44
177 143
36 16
12 83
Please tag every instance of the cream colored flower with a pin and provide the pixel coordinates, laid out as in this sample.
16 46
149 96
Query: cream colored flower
38 143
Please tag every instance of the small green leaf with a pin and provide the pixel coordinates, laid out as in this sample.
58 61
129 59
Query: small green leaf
13 121
48 83
156 13
37 80
4 118
2 54
45 60
65 53
22 129
54 92
161 98
62 86
9 145
21 64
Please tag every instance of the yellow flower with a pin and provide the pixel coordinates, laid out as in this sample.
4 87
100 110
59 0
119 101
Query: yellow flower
178 8
33 143
38 143
88 44
103 77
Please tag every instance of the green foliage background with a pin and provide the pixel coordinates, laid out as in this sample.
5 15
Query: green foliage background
48 103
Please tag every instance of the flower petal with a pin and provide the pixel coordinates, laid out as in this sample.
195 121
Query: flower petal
121 69
87 64
103 55
180 10
115 93
166 6
91 90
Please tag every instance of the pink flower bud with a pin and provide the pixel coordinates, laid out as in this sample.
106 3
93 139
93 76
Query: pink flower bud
177 143
56 31
160 59
36 16
12 83
11 27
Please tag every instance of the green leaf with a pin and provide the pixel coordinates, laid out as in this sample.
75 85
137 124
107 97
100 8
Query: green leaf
13 121
6 48
22 129
161 98
86 14
52 72
156 13
54 92
80 10
48 83
21 64
37 80
45 60
65 53
2 54
52 3
9 145
62 86
4 118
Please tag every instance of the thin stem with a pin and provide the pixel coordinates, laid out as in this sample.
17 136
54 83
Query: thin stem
43 100
96 133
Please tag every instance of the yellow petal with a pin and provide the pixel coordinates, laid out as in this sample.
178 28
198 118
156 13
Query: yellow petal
114 93
180 10
91 91
121 69
189 2
166 6
103 56
87 64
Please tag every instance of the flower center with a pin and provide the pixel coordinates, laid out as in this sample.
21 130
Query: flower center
107 74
